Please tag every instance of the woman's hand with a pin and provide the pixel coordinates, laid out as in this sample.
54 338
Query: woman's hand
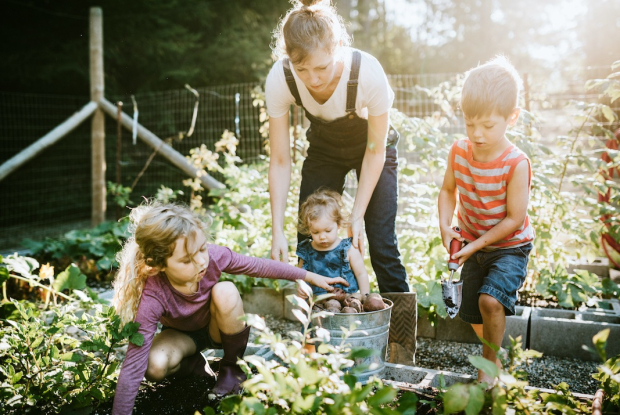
279 247
324 282
356 232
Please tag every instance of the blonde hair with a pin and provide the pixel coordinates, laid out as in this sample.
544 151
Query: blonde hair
155 229
322 202
494 85
308 26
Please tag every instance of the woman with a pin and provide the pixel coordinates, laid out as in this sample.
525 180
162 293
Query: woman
346 97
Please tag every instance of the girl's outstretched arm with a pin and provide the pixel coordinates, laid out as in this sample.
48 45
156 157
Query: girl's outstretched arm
359 270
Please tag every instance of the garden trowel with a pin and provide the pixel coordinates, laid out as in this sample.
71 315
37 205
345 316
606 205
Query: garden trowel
452 292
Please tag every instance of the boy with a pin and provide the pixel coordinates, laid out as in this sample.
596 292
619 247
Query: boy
492 178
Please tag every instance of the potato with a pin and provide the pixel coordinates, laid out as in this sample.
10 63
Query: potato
333 310
353 303
373 302
332 303
338 294
357 296
349 310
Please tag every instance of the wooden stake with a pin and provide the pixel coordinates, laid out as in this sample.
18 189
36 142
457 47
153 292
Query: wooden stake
98 191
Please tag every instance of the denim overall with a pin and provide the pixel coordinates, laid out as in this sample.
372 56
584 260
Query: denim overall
337 147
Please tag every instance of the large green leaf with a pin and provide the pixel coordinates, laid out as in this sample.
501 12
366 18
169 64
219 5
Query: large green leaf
476 400
455 399
485 365
70 279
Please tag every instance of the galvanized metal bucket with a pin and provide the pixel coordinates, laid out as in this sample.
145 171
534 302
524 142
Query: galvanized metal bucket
372 333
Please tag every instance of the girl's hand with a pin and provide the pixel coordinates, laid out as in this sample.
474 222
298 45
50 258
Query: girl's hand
447 235
356 232
303 290
324 282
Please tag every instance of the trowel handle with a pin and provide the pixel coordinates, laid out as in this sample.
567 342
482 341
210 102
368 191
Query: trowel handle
455 246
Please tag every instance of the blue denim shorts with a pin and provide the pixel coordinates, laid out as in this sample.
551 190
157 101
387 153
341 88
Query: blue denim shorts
499 273
202 339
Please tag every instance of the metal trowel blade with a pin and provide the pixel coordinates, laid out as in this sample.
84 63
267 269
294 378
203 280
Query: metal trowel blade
452 293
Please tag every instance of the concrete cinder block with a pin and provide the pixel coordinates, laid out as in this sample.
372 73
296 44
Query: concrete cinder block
425 329
450 378
562 333
600 266
457 330
263 300
614 275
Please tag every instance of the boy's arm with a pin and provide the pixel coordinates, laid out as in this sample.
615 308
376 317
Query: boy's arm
446 204
359 270
517 199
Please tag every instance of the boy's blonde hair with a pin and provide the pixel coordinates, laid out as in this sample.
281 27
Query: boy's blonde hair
322 202
155 229
310 25
494 85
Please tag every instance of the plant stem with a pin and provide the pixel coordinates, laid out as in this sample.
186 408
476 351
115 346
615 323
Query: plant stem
36 284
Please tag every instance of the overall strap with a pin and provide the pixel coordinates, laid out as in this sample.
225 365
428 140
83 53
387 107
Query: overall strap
290 81
352 84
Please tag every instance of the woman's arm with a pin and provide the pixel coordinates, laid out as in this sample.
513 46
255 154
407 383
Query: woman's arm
372 166
359 270
279 183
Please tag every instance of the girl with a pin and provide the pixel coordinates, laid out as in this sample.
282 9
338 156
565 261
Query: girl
169 274
324 252
346 96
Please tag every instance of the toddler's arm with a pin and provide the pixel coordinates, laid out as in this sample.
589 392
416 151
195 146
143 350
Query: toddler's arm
517 199
446 204
359 270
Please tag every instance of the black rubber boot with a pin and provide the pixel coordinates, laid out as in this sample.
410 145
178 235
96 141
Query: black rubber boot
403 325
191 365
231 376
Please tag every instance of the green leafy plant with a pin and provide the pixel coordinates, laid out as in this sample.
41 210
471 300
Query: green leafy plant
508 392
93 250
320 382
63 358
22 269
571 290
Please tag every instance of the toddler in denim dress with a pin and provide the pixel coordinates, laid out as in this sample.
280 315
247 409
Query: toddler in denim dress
324 252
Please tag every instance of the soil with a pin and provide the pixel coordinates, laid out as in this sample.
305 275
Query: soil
190 396
180 397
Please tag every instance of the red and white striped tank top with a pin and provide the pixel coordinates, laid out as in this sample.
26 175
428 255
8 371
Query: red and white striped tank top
482 193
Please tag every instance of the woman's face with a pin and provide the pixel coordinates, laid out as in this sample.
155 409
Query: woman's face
317 70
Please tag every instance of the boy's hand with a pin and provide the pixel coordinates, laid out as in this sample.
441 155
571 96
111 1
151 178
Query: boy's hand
324 282
464 254
447 235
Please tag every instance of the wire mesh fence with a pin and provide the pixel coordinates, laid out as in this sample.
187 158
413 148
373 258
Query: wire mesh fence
51 193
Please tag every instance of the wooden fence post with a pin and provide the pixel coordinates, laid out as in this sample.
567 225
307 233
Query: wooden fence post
98 186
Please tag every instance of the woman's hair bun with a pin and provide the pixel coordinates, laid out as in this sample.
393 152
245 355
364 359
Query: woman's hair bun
310 3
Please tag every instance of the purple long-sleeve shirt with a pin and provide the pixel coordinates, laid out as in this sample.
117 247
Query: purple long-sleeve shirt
160 302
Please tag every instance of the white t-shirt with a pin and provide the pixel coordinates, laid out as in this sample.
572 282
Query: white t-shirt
374 94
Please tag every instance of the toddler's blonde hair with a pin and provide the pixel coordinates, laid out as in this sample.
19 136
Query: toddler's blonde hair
493 86
155 229
310 25
322 202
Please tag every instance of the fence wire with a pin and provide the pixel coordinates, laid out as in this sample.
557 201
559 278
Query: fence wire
51 193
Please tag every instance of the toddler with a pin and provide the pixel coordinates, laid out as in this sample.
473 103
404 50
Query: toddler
324 252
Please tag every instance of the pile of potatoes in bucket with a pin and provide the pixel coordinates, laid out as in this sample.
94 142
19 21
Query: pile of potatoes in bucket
342 302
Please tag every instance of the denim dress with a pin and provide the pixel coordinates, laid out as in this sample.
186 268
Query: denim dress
331 264
337 147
